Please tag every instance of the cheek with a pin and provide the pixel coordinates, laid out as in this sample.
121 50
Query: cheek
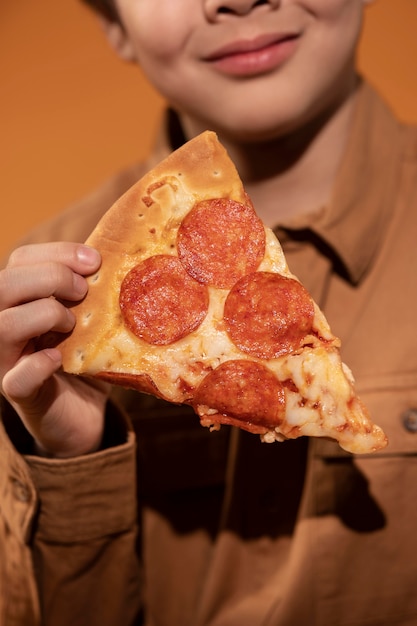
337 26
346 12
339 17
156 32
331 8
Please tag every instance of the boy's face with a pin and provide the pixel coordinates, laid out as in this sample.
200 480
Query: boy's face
250 69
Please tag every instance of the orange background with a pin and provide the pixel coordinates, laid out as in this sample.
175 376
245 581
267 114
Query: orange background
72 113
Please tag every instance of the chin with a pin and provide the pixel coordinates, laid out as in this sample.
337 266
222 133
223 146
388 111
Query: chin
251 125
255 135
271 123
260 131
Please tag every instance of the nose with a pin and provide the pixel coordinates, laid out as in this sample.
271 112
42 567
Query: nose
219 9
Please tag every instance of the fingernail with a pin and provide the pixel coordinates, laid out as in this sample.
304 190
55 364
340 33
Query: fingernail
54 354
88 256
79 285
70 319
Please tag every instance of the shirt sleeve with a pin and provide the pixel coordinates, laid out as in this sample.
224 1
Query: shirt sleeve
83 536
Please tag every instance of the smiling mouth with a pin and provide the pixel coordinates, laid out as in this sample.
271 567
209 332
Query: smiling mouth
247 58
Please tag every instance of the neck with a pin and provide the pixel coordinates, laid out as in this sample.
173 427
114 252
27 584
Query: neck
294 174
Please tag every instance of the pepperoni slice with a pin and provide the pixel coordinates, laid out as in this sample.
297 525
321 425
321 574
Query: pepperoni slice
221 240
268 315
243 392
160 302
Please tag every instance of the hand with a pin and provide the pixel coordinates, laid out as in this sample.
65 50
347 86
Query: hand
64 414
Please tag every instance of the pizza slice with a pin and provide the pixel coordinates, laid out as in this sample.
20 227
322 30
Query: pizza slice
194 303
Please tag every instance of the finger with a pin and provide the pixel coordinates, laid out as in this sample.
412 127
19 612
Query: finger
21 384
25 283
48 408
79 257
32 319
21 324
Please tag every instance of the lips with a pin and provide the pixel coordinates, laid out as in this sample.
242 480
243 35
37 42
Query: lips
256 56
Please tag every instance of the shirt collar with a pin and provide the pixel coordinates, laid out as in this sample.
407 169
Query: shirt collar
354 222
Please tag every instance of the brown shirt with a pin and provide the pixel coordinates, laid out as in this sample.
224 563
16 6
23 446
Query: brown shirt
233 532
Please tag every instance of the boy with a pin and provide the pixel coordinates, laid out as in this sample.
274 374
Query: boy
219 529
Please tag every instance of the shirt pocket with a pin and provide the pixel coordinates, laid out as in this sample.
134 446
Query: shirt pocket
365 515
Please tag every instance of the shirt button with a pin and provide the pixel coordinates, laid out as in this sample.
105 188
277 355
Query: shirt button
409 419
20 490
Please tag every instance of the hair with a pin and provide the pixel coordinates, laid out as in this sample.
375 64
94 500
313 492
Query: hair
105 7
